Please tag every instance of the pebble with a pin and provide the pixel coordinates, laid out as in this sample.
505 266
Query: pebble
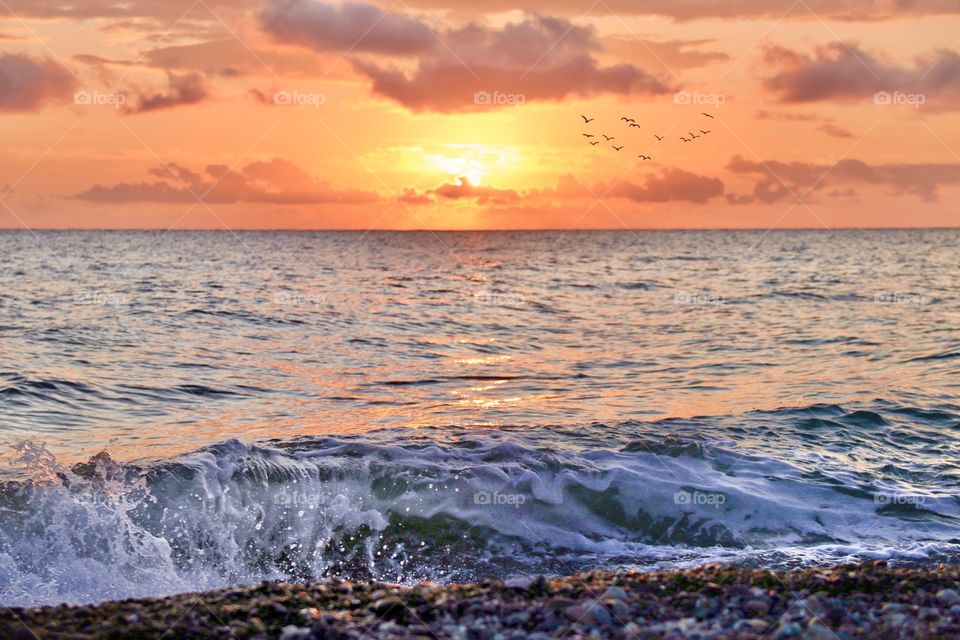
390 608
722 602
616 593
518 583
292 632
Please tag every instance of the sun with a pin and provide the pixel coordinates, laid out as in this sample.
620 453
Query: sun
470 168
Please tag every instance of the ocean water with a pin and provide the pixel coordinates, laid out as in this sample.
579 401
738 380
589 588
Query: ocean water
189 410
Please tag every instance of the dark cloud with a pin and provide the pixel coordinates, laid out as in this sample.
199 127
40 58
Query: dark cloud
28 84
189 88
835 131
463 189
845 72
669 186
352 26
798 178
274 182
540 58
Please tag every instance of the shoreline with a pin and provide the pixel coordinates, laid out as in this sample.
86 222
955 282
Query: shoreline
869 600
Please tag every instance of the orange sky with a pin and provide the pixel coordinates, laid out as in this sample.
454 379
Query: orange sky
268 114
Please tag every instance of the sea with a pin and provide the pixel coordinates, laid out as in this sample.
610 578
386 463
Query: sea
184 411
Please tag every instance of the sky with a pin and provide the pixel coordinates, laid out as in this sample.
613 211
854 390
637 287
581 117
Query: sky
422 114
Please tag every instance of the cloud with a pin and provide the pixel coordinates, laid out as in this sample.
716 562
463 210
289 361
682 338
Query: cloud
28 84
668 55
846 73
352 26
483 195
680 10
798 178
684 10
668 186
275 182
164 10
539 58
189 88
835 131
763 114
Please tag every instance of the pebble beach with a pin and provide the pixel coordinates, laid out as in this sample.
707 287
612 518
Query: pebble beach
871 600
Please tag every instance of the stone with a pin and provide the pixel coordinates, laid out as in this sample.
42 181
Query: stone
518 582
293 632
391 608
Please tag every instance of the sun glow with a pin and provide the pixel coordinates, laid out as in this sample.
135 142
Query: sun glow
475 162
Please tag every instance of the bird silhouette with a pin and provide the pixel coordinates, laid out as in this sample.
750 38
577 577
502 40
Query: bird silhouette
593 144
628 119
588 135
659 138
616 148
708 115
693 135
634 125
684 139
608 137
643 157
704 132
587 120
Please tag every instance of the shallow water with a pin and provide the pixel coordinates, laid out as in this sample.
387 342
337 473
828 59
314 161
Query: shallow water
460 405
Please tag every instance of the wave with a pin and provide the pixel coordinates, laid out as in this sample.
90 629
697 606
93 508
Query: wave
442 505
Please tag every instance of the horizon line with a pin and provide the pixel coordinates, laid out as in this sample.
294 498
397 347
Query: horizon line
453 230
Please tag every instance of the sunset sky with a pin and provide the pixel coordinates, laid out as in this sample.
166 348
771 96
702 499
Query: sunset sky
312 114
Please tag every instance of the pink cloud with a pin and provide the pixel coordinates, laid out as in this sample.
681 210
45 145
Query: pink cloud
780 180
189 88
275 182
846 73
669 186
539 58
28 84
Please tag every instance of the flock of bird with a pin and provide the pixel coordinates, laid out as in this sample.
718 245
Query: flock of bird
631 123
